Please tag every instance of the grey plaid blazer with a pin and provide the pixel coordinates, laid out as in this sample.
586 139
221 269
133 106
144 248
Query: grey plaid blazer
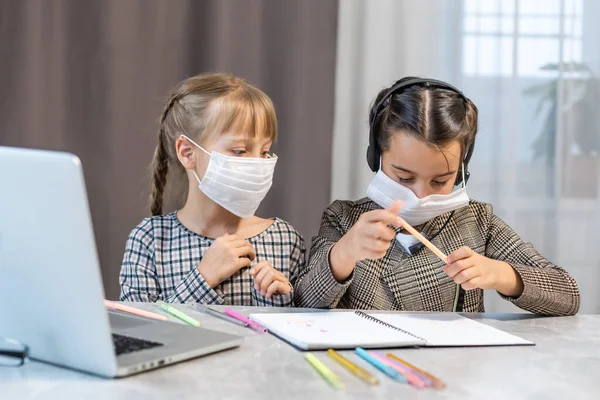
401 281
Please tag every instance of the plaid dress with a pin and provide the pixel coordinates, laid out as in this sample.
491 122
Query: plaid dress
162 256
416 282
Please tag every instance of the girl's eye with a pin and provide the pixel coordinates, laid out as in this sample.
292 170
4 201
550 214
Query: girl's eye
438 183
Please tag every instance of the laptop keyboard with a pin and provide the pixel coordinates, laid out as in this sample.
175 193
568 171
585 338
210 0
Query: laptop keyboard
126 344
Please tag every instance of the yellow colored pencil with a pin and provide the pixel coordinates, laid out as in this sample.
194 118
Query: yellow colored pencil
324 371
350 366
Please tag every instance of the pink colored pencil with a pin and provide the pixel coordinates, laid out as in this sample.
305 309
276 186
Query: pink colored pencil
413 379
252 324
132 310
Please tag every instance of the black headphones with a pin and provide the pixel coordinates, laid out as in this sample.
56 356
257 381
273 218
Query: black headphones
373 151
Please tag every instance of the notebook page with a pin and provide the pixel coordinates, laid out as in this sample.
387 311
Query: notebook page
450 329
339 330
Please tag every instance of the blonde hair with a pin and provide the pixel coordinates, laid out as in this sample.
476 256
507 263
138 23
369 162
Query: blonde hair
207 104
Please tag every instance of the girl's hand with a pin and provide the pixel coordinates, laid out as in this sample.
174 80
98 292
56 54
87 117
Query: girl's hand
227 255
472 270
268 281
369 238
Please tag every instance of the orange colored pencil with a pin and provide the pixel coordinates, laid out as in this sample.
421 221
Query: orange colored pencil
424 240
437 383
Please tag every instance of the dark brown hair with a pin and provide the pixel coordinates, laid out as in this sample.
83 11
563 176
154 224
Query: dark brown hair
207 104
435 115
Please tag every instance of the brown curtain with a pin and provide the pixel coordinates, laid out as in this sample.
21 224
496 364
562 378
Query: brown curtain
90 77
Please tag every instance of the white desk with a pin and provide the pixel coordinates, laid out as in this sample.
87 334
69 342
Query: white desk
565 363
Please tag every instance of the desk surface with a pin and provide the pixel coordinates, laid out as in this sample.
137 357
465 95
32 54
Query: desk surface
565 363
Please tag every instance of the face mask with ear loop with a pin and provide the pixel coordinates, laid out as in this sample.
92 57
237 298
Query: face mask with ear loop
383 190
238 184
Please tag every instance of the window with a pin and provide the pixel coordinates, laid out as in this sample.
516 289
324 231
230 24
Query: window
492 29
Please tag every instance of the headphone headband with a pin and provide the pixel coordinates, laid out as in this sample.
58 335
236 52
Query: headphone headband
373 151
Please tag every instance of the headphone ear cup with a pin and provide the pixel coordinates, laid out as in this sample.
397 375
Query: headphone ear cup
372 159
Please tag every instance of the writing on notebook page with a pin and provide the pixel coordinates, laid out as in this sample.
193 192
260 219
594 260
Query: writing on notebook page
309 323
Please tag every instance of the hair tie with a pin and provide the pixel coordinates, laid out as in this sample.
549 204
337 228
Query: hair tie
169 106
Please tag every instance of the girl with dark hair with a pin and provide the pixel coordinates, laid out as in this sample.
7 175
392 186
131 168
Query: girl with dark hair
421 140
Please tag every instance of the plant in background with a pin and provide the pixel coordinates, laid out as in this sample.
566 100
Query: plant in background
581 109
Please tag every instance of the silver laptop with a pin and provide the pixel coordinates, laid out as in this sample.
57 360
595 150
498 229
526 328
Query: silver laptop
51 293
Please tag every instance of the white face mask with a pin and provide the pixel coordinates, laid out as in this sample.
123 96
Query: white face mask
238 184
384 191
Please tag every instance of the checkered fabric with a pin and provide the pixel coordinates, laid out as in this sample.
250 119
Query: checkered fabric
401 281
162 255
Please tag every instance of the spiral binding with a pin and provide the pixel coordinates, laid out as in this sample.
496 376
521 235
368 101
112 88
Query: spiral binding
380 322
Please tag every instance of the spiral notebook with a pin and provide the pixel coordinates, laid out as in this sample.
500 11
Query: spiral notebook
346 330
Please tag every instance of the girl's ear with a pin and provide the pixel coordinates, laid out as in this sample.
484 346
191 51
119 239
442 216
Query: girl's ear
185 153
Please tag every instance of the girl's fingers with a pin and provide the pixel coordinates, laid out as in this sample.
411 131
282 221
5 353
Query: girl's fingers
465 275
258 267
472 284
243 262
258 278
266 282
278 287
459 254
456 267
245 251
